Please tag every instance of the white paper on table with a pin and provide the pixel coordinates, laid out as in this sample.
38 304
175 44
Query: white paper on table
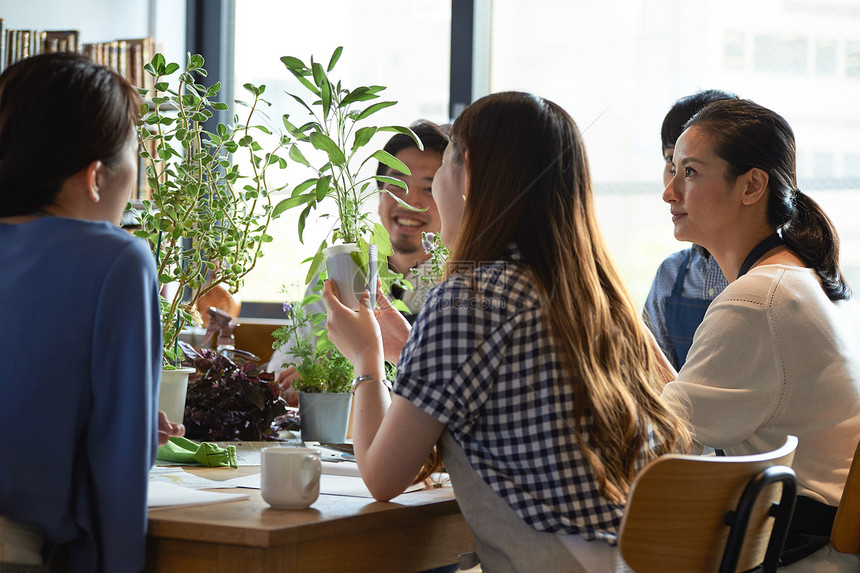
164 494
178 476
352 486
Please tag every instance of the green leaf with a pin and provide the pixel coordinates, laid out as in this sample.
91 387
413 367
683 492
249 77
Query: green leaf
301 101
300 74
391 181
319 74
334 58
213 90
291 202
302 219
322 187
379 237
326 97
303 186
362 137
297 156
170 68
310 299
375 108
404 131
158 64
293 63
358 94
315 264
403 203
195 62
387 159
324 143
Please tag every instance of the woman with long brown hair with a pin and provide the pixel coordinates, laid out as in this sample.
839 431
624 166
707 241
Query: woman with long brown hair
530 356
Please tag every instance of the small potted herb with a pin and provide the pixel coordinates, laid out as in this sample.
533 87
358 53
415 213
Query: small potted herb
324 387
359 248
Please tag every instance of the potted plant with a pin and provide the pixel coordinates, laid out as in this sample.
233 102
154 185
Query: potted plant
324 386
230 399
334 135
206 221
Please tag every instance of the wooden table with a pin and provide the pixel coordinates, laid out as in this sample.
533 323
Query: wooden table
420 530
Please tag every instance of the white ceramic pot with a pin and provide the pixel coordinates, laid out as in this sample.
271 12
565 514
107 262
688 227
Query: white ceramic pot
351 280
324 417
171 397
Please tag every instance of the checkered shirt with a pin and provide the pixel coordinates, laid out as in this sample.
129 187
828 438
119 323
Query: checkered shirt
480 361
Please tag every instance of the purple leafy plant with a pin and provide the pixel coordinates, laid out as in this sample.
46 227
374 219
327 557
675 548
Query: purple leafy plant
230 400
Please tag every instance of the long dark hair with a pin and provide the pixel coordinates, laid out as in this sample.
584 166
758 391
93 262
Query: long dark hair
530 184
58 113
747 136
683 110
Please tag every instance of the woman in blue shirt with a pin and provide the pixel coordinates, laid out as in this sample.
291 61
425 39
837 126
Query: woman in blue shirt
79 322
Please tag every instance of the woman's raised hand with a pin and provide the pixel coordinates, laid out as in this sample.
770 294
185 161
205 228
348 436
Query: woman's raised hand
395 328
356 334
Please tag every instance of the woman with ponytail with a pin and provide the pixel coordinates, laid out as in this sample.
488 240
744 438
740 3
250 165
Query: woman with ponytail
531 356
778 352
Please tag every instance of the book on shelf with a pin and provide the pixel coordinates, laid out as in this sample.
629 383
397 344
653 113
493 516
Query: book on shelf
126 56
2 45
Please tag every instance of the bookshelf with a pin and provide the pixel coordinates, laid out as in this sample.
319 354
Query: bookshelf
126 56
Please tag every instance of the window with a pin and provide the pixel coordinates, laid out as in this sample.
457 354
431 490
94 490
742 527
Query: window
733 51
780 54
825 57
405 47
852 59
852 166
616 67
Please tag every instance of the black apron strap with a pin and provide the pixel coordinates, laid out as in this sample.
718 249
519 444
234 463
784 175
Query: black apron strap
758 251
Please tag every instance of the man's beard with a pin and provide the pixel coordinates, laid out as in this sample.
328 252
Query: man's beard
407 247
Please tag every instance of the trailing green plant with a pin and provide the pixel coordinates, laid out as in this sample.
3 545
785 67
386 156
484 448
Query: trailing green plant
319 363
206 221
335 115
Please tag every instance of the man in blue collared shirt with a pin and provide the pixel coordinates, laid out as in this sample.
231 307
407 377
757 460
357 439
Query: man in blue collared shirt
687 281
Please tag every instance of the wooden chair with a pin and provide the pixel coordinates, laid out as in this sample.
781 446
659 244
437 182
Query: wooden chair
845 536
708 514
255 335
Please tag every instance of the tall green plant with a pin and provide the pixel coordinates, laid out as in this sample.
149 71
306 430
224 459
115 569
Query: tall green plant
336 113
207 222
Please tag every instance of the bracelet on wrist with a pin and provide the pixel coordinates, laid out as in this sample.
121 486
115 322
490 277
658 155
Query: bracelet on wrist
364 378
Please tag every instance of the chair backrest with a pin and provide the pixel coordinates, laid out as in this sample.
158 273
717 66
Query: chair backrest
845 536
255 335
676 515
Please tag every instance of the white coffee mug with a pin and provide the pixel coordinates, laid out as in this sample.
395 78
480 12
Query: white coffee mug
290 476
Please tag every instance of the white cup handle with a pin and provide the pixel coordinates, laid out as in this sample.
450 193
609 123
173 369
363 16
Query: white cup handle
311 471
